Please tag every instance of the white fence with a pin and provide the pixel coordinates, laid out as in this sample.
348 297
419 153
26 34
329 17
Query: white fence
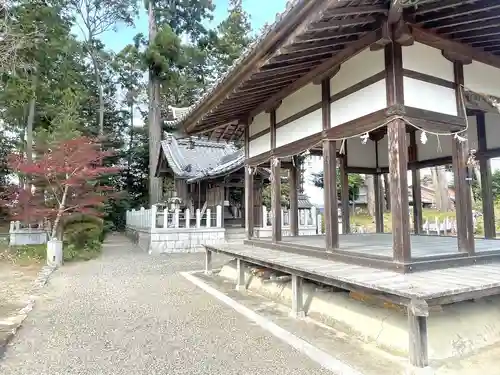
19 236
154 218
163 231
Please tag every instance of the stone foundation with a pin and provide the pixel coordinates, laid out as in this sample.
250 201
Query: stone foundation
178 240
454 331
267 232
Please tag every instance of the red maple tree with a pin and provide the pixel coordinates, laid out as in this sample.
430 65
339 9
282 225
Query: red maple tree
63 179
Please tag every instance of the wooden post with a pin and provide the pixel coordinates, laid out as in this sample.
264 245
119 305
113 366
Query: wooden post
276 200
294 200
344 194
240 275
415 185
379 205
463 199
330 174
418 311
208 262
249 186
486 183
297 297
398 157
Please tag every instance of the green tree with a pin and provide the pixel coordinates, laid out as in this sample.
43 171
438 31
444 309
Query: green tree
233 36
93 18
355 182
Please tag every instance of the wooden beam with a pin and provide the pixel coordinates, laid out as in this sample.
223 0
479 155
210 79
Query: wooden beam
395 12
320 7
357 10
335 24
437 6
418 311
330 174
415 185
276 200
439 42
294 199
379 207
249 186
322 70
251 63
398 156
486 182
344 194
463 204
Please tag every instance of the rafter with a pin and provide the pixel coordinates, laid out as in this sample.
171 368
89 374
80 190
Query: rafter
335 24
357 10
465 10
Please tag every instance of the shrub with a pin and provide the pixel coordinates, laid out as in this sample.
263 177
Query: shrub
83 236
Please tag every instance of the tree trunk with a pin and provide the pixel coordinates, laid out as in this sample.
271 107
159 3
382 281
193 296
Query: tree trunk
131 145
387 192
155 185
440 189
97 74
370 194
30 121
60 212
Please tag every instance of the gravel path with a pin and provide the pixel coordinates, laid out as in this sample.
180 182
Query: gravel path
131 313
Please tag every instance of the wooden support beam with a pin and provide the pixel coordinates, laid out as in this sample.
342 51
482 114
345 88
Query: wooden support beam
323 70
463 199
276 200
249 196
294 199
486 182
297 297
344 194
440 42
415 185
330 174
379 205
398 156
240 275
418 311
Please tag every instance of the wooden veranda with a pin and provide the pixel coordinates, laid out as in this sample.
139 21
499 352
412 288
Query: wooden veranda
374 87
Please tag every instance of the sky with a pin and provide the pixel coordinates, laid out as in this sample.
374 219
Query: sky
261 12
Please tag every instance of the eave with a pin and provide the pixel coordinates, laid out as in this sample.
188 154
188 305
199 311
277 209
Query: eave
311 40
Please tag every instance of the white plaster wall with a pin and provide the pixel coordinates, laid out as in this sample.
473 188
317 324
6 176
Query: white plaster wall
260 145
492 130
299 129
304 98
436 147
428 96
482 78
362 66
360 155
428 60
261 122
360 103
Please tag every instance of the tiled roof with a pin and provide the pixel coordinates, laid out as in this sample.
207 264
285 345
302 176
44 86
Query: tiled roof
195 159
304 201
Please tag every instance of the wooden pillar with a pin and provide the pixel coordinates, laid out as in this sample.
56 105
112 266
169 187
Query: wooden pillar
249 196
329 174
275 184
379 205
418 312
344 195
415 185
398 157
486 183
294 199
463 199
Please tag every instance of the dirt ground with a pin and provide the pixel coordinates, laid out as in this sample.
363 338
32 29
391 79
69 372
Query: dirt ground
16 280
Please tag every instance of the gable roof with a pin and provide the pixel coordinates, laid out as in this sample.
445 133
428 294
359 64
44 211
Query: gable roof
196 159
312 38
